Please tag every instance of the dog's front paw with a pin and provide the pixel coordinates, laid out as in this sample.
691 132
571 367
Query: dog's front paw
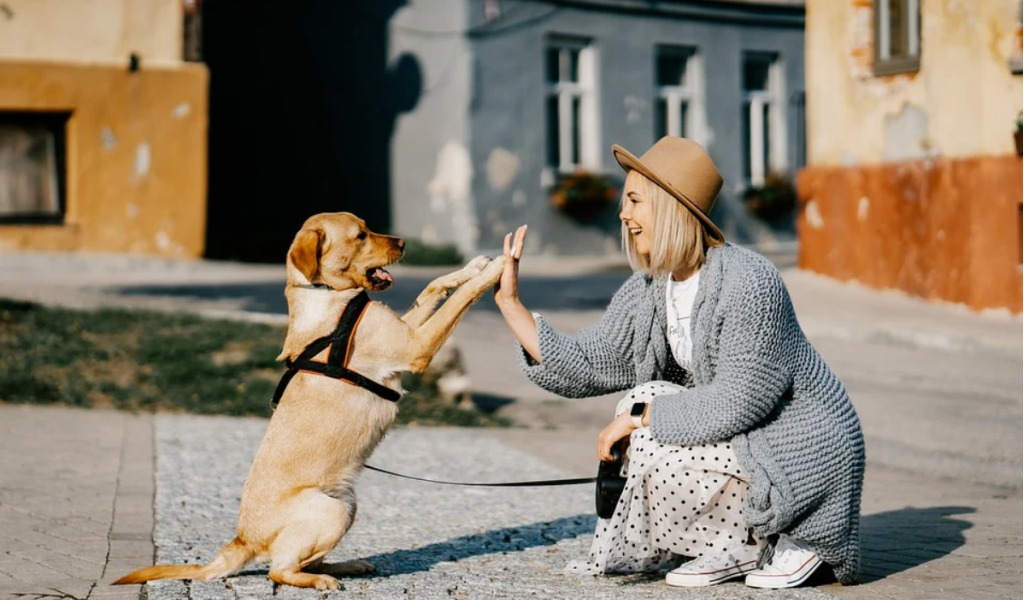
477 264
492 272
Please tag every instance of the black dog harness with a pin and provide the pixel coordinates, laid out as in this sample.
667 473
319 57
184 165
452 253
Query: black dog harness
340 343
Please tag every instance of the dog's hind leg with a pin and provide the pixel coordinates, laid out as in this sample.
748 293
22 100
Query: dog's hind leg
316 527
439 289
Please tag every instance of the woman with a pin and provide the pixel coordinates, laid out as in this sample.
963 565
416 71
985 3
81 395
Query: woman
745 452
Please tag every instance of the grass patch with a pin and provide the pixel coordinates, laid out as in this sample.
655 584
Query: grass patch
148 361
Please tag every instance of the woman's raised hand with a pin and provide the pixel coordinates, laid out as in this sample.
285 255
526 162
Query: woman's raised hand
506 292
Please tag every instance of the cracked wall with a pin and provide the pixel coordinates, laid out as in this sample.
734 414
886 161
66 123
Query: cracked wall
963 101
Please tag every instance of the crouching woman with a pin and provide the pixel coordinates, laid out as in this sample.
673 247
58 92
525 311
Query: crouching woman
745 453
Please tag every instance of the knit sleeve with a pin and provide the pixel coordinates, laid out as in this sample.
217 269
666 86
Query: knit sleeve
595 361
751 375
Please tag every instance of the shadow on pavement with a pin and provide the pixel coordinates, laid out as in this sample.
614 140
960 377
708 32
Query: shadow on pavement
590 292
897 540
510 539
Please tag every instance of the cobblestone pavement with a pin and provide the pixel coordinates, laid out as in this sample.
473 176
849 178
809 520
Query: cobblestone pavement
427 541
76 494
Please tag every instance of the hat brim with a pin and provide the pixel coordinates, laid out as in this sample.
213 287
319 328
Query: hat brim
628 162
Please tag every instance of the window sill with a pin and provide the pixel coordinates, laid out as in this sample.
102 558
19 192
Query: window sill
57 220
898 66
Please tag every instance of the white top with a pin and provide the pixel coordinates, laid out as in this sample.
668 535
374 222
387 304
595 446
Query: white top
679 297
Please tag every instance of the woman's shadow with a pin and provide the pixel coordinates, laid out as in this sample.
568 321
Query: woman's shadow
891 541
898 540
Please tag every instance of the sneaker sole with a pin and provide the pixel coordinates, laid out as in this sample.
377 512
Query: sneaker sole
788 580
709 579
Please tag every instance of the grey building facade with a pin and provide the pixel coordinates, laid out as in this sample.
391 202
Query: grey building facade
515 94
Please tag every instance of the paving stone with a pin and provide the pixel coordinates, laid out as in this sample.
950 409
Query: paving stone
427 541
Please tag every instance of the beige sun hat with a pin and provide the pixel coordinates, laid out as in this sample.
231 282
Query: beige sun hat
682 168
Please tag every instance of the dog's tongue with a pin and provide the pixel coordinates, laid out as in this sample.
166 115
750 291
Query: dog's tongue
383 275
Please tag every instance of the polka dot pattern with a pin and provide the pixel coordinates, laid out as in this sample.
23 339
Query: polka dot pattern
678 500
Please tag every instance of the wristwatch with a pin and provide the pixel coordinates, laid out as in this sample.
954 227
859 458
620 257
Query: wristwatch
637 412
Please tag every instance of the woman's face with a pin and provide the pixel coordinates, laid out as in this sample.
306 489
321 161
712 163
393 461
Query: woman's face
637 215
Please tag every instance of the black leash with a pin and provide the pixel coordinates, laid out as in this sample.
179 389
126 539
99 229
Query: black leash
541 483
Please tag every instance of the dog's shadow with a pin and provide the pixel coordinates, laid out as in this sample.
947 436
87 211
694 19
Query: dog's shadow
509 539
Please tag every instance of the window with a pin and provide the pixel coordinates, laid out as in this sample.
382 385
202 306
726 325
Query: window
897 36
679 98
32 167
764 116
572 123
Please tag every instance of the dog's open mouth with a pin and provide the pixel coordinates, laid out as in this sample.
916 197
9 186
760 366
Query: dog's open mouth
379 278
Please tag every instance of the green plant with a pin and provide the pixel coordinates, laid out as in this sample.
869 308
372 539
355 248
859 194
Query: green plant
418 252
582 194
141 360
773 200
1020 121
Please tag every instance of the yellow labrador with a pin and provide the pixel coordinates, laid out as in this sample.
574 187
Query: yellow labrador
299 500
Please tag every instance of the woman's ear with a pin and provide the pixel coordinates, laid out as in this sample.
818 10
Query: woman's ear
305 252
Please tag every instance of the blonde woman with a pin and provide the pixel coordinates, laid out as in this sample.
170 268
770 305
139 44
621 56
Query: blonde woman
745 453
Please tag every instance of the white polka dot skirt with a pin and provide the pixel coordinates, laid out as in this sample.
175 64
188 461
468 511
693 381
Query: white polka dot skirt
678 500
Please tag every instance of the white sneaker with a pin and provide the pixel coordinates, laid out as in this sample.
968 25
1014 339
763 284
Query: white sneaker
791 564
712 569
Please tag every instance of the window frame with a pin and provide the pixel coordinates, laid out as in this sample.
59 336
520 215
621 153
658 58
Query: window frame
911 34
689 92
586 134
57 123
755 102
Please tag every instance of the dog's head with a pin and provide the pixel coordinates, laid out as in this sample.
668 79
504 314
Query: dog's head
337 250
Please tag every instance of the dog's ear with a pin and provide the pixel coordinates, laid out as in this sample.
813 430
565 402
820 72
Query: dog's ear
305 252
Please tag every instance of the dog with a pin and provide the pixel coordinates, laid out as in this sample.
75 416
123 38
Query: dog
299 498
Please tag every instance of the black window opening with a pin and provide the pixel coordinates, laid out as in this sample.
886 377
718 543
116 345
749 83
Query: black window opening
897 36
33 178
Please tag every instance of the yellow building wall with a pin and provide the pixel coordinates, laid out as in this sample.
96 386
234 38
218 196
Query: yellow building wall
963 101
91 30
136 155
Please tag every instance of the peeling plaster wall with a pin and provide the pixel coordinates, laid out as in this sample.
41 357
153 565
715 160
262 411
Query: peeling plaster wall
913 182
962 102
91 30
946 229
431 169
136 155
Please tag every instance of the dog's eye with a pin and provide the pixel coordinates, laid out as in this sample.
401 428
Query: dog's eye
361 235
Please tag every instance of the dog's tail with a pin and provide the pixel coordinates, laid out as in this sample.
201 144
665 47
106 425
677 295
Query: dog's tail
229 560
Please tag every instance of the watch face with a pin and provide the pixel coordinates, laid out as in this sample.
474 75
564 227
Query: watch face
638 409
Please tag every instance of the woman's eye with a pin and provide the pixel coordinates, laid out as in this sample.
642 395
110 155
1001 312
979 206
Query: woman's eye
632 199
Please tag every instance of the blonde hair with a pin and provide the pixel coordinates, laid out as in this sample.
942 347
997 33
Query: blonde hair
678 238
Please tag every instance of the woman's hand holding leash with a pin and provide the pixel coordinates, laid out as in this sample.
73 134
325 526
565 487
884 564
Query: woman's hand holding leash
506 296
619 429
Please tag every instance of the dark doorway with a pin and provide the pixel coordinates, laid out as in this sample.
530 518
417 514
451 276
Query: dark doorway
302 108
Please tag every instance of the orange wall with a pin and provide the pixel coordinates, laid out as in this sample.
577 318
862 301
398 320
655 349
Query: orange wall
939 229
136 155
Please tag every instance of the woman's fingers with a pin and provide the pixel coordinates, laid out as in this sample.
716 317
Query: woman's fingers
517 247
508 243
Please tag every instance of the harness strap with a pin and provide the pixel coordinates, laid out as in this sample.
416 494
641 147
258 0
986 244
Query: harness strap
340 343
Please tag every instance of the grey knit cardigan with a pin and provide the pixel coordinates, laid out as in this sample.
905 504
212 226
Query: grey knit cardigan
755 379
